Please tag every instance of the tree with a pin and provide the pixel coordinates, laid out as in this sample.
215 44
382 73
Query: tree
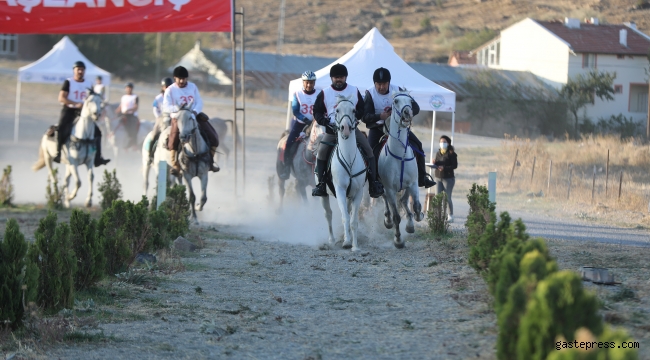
584 88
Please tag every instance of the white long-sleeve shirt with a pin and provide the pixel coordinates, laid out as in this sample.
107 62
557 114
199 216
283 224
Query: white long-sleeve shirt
157 106
175 97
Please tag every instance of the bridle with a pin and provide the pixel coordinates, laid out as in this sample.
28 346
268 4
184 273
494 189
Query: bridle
338 120
403 159
192 131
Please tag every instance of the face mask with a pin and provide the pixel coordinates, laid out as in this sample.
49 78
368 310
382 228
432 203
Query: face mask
443 145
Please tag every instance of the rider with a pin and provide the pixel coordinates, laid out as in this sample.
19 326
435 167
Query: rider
176 95
162 118
302 106
99 86
72 96
378 109
129 110
325 115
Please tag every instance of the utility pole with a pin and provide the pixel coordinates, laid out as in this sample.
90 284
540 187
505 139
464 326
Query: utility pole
280 43
158 44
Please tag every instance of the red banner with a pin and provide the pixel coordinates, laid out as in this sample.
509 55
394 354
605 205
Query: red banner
114 16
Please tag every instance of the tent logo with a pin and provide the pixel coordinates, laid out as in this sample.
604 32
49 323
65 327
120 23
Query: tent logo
437 101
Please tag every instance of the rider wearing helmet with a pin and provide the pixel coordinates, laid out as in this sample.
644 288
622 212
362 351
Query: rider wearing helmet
183 92
302 106
324 114
378 105
162 118
72 96
129 114
99 86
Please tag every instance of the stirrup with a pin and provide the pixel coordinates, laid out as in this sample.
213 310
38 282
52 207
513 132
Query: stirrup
376 189
57 159
427 181
319 190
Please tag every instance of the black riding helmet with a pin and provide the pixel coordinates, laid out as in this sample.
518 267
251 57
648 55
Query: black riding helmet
381 75
181 72
338 70
79 64
166 82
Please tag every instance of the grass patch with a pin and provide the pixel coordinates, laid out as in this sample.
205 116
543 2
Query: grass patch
84 337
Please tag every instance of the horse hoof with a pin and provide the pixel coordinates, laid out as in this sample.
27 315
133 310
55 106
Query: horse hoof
410 228
388 225
355 249
324 247
89 204
347 245
399 245
419 217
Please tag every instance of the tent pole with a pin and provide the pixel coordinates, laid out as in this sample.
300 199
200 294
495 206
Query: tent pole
453 123
17 111
234 97
431 159
243 99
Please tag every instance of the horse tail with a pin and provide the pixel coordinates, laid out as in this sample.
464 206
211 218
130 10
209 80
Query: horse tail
40 163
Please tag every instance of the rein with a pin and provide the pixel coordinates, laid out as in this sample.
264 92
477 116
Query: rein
194 157
347 166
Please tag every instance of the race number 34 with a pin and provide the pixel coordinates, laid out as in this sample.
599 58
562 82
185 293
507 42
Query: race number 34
307 109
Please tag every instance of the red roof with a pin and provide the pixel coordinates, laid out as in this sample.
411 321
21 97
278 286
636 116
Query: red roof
601 39
461 57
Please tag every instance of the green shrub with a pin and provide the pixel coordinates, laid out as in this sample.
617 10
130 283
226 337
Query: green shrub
473 39
480 208
533 267
425 23
56 261
159 221
558 307
125 230
177 207
54 193
6 188
615 124
88 248
110 189
18 276
397 23
437 214
609 336
322 30
489 243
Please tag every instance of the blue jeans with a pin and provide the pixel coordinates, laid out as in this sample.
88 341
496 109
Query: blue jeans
446 185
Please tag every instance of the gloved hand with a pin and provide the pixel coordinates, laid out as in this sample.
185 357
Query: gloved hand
302 134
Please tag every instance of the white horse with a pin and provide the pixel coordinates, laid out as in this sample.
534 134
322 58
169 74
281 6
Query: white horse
116 134
398 169
348 170
78 150
161 154
194 158
303 162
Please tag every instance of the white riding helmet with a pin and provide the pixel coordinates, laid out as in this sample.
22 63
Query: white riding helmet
308 75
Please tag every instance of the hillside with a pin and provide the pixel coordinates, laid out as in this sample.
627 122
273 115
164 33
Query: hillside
420 30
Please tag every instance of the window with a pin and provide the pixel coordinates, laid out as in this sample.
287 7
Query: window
498 53
8 44
589 61
618 89
639 98
620 56
485 56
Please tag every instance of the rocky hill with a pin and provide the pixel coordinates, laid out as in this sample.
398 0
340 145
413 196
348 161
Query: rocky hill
420 30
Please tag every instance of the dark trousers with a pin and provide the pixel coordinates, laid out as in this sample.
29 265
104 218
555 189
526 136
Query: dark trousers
131 125
296 129
375 134
68 115
211 136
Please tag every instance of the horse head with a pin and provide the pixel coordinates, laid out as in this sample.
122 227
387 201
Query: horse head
402 113
93 104
186 124
345 116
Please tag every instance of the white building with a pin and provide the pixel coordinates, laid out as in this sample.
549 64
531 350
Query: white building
557 51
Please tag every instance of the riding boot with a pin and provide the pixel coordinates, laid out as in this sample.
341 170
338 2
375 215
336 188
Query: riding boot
57 158
99 161
213 167
424 179
320 189
375 188
176 169
152 150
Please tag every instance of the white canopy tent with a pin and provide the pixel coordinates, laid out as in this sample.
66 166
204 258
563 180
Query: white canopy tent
53 68
374 51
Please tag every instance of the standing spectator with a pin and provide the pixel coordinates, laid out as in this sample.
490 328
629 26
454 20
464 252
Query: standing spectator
446 162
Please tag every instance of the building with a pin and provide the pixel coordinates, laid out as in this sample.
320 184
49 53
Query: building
459 58
557 51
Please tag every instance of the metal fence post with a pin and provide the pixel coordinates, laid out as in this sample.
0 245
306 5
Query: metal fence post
492 186
162 183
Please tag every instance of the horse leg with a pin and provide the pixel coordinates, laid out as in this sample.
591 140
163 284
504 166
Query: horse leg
204 190
300 189
417 205
188 184
325 201
77 182
345 214
392 202
145 172
66 190
404 200
354 224
91 178
388 219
